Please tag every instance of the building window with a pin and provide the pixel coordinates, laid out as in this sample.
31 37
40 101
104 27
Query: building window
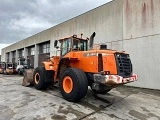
46 48
21 53
7 55
14 54
32 51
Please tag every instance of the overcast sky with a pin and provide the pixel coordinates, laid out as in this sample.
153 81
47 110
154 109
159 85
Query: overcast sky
20 19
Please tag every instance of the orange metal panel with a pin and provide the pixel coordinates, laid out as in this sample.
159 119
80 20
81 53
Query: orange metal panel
109 64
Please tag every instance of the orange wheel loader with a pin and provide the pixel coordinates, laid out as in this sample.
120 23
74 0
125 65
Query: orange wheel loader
79 65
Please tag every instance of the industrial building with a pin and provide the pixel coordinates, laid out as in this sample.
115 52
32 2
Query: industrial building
129 25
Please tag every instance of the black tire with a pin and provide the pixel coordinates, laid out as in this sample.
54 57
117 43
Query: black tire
39 79
80 84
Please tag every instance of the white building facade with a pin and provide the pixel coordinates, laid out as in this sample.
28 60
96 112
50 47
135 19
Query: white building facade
129 25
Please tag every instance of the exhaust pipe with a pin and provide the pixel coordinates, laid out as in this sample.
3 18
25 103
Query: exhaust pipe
91 41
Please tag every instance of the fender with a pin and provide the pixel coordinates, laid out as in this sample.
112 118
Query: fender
49 71
49 65
60 64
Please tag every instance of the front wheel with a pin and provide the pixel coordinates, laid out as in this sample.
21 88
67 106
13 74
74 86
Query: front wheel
39 78
73 84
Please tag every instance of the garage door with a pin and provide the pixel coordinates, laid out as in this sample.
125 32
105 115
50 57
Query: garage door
42 57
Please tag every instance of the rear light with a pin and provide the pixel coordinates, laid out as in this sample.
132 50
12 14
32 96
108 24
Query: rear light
105 72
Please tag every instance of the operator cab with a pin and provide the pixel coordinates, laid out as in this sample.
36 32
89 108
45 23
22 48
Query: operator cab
72 43
22 61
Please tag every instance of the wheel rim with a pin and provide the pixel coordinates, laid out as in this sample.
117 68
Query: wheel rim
37 78
67 84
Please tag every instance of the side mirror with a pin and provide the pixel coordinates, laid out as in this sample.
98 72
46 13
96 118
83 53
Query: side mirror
55 44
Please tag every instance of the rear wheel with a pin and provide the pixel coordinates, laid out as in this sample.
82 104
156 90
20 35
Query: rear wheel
39 78
73 84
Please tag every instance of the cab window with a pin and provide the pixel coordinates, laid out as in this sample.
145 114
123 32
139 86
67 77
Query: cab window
83 45
80 45
75 44
66 45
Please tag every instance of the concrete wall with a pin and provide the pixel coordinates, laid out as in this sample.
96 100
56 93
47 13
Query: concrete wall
105 20
140 18
141 34
130 25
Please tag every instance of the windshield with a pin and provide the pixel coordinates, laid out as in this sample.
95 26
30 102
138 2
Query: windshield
66 45
10 65
24 62
1 65
79 44
73 44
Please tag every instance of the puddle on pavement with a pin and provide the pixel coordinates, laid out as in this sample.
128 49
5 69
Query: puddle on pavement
90 101
124 90
127 90
52 105
144 109
39 118
58 117
103 98
87 104
27 99
70 109
114 116
141 116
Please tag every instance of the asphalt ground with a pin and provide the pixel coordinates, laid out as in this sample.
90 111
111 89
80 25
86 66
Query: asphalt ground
122 103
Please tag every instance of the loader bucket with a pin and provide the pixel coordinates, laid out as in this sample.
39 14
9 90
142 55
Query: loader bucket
28 77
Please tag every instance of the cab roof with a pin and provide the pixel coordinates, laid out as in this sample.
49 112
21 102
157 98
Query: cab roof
72 36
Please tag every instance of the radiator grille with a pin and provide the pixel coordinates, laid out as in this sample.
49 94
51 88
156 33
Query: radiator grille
124 65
